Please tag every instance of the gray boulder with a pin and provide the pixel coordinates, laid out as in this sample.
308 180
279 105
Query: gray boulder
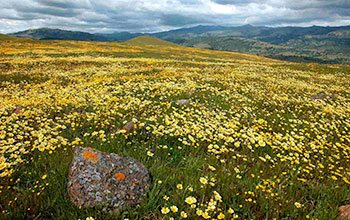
321 97
102 179
183 102
129 127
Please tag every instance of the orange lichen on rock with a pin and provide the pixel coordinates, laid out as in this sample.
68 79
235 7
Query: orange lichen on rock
128 127
344 212
119 176
90 156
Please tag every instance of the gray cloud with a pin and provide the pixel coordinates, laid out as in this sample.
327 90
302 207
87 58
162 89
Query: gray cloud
63 4
179 20
159 15
234 2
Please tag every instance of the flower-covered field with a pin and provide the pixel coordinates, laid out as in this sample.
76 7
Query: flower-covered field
251 144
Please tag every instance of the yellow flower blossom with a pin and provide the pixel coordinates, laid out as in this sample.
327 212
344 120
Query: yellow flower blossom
297 204
191 200
173 208
203 180
165 210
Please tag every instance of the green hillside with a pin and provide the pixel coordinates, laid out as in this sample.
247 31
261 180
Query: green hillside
320 49
147 40
298 44
6 37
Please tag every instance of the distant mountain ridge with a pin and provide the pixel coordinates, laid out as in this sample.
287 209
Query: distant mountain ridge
58 34
276 35
301 44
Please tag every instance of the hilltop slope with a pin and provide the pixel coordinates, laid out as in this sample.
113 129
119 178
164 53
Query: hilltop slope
312 49
143 46
148 40
7 37
119 36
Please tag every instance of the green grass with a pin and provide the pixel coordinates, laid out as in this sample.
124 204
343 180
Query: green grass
63 96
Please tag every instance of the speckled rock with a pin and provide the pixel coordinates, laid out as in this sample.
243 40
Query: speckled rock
183 102
17 110
129 127
111 180
344 212
321 97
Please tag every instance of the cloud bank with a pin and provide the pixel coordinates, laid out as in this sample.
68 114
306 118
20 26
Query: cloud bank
161 15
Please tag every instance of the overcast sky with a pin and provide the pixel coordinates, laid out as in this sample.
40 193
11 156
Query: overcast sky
160 15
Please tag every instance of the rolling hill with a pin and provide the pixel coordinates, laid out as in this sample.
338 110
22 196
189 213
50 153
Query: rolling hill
147 40
297 44
119 36
298 50
6 37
